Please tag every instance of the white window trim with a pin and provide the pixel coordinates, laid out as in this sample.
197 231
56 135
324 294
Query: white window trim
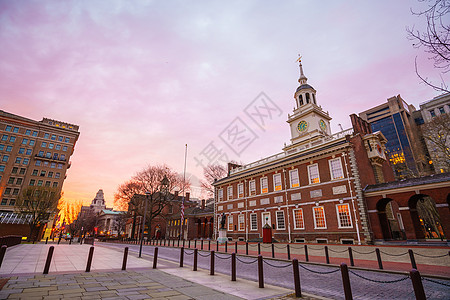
220 197
240 185
251 224
309 173
230 218
250 191
303 219
241 217
263 220
295 171
260 181
274 184
324 218
284 220
331 172
230 195
349 215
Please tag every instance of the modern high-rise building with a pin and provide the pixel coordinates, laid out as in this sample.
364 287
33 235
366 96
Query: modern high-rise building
33 153
404 148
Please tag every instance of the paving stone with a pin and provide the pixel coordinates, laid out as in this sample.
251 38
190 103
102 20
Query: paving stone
66 292
95 288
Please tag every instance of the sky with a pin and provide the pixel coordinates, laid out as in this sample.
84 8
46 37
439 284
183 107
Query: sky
144 78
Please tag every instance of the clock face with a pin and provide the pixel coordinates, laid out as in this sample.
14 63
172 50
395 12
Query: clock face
323 125
379 148
302 126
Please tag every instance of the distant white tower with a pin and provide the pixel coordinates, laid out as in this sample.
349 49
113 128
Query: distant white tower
98 203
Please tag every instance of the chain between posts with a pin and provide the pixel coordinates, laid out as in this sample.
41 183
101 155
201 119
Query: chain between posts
187 253
434 281
280 267
222 257
318 272
431 256
363 253
246 262
199 253
378 281
385 253
335 251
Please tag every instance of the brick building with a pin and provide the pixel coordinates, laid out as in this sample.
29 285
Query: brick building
33 153
313 190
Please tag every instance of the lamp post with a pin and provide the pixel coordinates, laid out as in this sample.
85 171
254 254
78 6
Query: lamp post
164 190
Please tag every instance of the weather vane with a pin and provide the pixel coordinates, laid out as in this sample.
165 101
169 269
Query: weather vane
299 58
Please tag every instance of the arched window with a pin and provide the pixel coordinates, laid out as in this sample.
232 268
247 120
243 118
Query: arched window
301 99
307 98
314 98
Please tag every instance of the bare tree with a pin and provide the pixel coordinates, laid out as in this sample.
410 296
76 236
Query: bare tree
212 173
437 136
435 39
37 204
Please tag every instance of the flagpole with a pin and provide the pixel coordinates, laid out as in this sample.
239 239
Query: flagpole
183 192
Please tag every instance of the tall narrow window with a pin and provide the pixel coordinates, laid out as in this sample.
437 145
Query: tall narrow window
253 222
293 177
230 192
343 214
264 185
240 190
230 222
220 194
252 187
277 182
280 219
307 98
298 219
336 169
241 224
313 172
319 217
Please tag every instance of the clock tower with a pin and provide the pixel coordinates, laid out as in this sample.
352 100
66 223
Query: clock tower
309 122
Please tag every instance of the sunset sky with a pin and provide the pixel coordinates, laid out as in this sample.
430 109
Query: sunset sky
144 78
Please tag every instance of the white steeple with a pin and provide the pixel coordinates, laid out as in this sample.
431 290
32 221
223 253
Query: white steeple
98 203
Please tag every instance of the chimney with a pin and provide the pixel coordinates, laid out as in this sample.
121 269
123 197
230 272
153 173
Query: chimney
203 203
187 197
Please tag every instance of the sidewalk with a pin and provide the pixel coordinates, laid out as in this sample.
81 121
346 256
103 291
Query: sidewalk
24 264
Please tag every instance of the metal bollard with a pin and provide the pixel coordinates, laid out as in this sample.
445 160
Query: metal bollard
195 243
346 282
298 289
306 253
417 284
259 248
178 243
164 242
89 262
273 250
195 259
211 265
235 247
70 241
189 244
413 260
260 271
49 259
246 248
125 257
209 245
181 257
233 266
46 240
226 246
2 253
202 244
183 243
380 263
155 257
350 255
217 246
326 255
288 249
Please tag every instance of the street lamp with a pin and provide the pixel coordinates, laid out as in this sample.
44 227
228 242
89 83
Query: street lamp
164 189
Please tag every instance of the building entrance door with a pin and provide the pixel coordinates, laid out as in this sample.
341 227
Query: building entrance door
266 219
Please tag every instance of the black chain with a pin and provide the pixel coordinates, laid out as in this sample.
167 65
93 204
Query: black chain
393 254
335 251
246 262
189 253
296 247
280 267
434 281
281 247
431 256
364 253
312 248
378 281
209 253
222 257
318 272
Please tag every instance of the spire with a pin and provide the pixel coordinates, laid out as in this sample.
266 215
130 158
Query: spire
302 79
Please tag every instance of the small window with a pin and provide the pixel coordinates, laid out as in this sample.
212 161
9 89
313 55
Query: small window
230 192
40 182
64 148
14 170
264 185
277 182
66 140
252 187
32 142
22 171
8 148
347 241
319 217
24 141
253 222
32 182
4 137
19 181
441 110
2 168
5 158
28 152
432 113
15 192
58 147
37 163
18 160
12 202
220 196
42 173
50 174
313 172
230 222
280 219
53 138
4 201
293 177
12 139
35 133
11 180
57 175
241 224
21 150
28 132
299 240
46 135
298 219
35 172
7 191
8 128
41 153
16 129
60 138
321 241
343 214
25 161
240 190
44 145
336 169
51 146
47 183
